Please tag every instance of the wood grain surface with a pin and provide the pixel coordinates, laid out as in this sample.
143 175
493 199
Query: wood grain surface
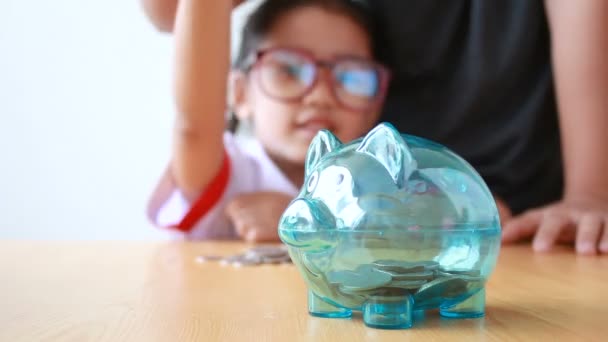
145 291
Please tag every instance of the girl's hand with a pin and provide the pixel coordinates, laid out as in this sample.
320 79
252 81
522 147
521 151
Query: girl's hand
162 12
582 221
255 216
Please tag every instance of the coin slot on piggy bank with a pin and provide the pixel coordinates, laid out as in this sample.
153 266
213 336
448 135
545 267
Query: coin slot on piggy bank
391 225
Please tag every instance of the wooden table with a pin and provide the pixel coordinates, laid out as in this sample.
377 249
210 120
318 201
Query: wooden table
141 291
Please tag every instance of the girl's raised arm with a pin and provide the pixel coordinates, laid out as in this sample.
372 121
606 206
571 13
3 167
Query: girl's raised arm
202 58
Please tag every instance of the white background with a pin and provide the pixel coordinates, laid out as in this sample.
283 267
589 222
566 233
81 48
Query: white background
85 118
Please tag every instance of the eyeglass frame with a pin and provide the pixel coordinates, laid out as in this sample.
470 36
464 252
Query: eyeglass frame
384 74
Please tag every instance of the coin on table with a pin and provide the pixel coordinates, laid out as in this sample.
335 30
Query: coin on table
258 255
207 258
269 251
271 254
276 259
228 260
247 259
241 260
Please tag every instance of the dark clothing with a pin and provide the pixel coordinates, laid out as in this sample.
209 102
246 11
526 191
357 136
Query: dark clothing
475 76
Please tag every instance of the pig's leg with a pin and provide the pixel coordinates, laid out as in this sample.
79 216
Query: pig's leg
386 312
320 308
472 307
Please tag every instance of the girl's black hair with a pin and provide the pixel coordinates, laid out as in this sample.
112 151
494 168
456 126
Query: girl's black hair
261 21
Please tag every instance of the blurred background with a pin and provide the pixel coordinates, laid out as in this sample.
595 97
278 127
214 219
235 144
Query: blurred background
86 114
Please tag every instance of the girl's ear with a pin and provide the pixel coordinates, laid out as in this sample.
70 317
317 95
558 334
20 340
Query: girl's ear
237 94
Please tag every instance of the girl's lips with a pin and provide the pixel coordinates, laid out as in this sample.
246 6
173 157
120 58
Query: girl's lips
311 127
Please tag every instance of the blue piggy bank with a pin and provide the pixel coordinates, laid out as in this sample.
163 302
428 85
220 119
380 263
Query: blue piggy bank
391 225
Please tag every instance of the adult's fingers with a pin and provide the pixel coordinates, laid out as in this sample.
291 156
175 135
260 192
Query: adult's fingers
521 227
549 231
504 212
588 234
603 244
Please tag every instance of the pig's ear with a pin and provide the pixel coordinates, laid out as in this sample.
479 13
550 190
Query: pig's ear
385 144
323 143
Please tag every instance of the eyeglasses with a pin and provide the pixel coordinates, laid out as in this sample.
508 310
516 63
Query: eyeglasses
290 74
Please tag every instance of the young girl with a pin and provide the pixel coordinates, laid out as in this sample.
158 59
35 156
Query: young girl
518 88
303 65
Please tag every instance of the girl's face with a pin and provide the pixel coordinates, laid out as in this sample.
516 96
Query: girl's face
286 128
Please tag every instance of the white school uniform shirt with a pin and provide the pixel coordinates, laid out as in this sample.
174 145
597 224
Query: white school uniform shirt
246 168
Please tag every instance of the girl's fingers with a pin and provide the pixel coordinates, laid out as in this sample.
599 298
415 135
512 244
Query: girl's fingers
251 235
240 226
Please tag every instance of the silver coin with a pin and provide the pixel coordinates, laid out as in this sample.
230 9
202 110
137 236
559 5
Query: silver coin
466 277
276 259
365 281
207 258
254 256
398 266
424 275
407 284
428 264
246 260
433 293
268 251
339 277
230 259
460 271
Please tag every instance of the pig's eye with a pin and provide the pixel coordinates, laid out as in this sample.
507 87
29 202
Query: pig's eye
339 178
312 182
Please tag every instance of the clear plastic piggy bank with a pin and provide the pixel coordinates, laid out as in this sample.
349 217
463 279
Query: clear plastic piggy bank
391 225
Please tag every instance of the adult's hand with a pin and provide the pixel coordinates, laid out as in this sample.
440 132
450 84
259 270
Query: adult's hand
583 222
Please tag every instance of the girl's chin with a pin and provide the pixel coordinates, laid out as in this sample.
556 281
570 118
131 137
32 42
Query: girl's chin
306 134
298 154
